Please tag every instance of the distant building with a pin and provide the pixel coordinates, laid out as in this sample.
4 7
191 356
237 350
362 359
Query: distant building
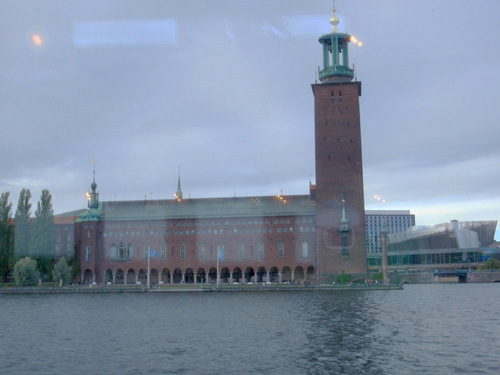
268 238
394 221
447 245
64 241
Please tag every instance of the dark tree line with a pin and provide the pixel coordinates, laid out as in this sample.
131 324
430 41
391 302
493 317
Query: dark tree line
26 236
6 237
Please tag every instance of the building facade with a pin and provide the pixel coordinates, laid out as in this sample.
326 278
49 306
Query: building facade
457 244
298 238
393 221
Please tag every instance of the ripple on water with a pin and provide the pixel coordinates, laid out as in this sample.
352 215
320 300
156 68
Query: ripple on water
420 330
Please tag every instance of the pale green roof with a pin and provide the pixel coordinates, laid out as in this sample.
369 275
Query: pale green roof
208 208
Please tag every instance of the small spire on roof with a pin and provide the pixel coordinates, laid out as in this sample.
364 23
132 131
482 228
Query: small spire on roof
178 193
334 21
93 196
93 185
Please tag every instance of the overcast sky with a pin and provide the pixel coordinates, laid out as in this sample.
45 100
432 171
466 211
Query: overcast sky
223 89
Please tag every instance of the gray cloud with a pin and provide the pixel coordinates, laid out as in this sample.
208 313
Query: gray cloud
230 101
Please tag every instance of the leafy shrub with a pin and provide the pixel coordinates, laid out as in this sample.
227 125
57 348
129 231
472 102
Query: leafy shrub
25 272
61 271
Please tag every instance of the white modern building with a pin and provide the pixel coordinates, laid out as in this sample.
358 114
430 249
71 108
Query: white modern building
395 221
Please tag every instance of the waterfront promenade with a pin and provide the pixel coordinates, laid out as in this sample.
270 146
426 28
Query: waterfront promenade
192 289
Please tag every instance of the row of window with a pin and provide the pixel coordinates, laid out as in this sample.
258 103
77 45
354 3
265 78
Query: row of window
69 247
379 220
203 223
68 238
198 232
126 252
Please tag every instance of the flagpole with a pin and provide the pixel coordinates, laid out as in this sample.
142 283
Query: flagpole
218 273
149 262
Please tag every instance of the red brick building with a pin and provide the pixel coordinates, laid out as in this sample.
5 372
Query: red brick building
259 239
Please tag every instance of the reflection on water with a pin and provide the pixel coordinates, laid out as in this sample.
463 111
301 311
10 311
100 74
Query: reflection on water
420 330
339 335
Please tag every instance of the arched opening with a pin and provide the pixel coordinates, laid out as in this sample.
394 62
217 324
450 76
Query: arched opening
237 275
212 275
201 276
249 275
130 279
310 274
177 276
143 276
189 276
224 275
154 277
165 276
88 277
287 274
299 274
119 277
261 275
274 275
108 276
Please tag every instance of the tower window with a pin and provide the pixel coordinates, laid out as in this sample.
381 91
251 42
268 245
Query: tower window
340 95
332 96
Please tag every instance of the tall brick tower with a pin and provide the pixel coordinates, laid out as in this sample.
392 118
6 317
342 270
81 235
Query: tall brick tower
340 220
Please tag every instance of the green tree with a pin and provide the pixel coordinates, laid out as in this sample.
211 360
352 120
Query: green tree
25 272
22 224
43 236
42 246
491 264
344 278
75 263
5 235
62 271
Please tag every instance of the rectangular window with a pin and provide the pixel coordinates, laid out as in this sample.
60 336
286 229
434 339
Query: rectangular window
220 251
88 253
146 252
261 250
164 252
281 249
202 250
305 250
241 250
122 252
345 249
183 251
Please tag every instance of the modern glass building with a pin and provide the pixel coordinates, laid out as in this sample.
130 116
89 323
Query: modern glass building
395 221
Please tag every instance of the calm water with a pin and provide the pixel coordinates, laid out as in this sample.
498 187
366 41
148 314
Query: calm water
423 329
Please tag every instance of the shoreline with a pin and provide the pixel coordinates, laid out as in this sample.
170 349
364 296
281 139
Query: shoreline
103 289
